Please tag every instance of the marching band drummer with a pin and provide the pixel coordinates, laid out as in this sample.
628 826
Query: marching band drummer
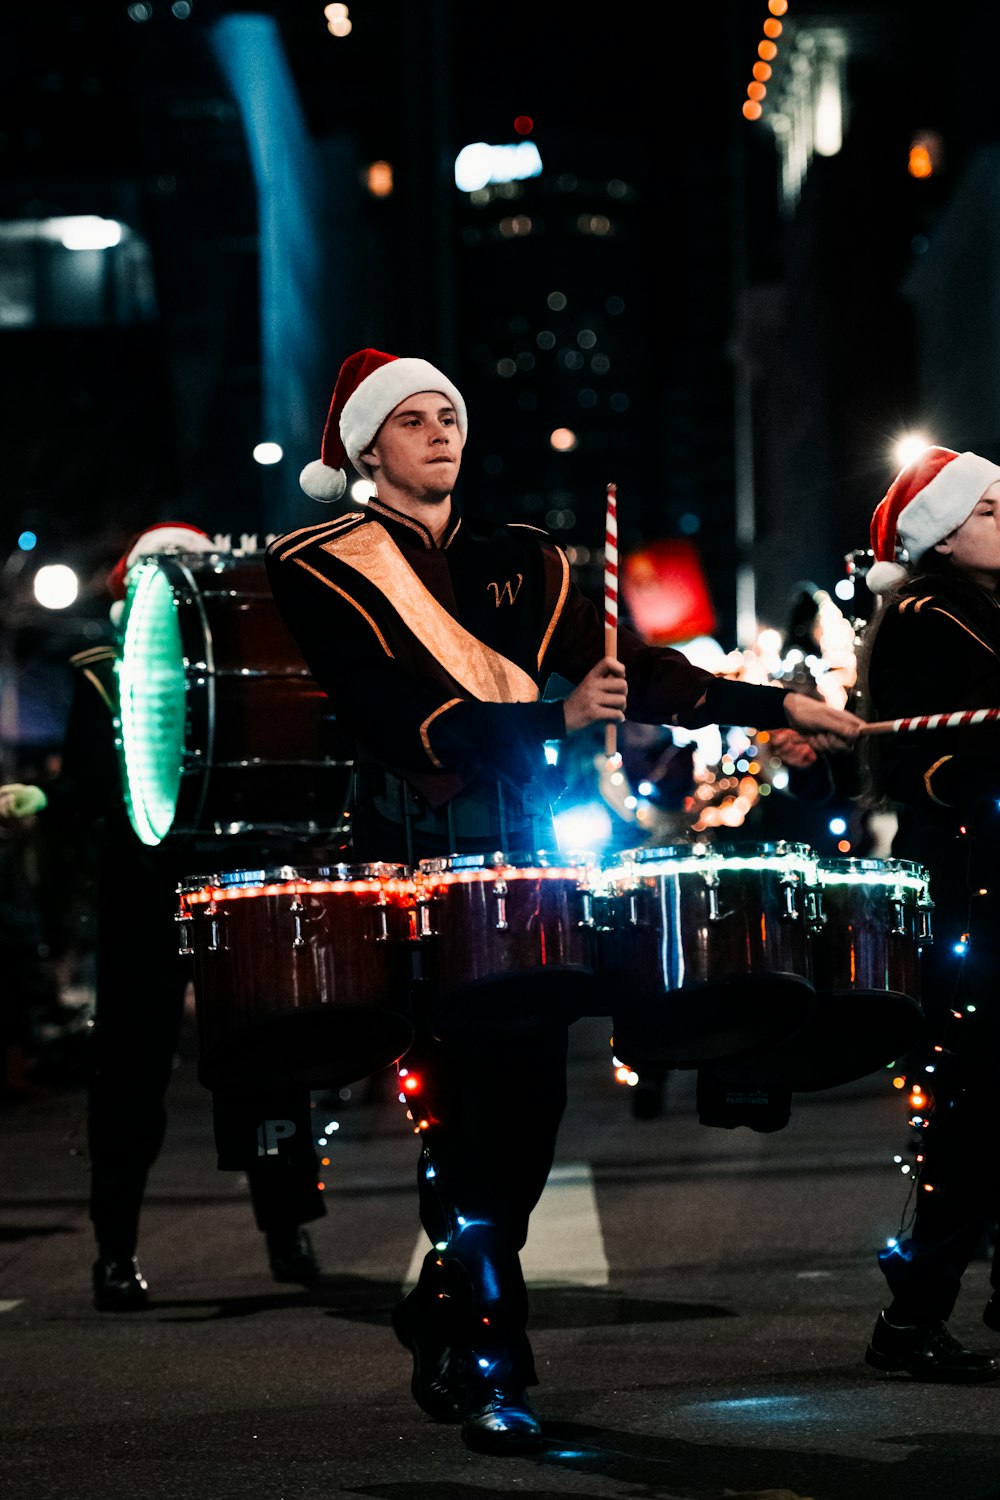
934 646
140 988
434 639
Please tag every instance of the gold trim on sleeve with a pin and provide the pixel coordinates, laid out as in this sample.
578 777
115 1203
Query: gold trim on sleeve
936 609
927 780
360 609
99 685
425 726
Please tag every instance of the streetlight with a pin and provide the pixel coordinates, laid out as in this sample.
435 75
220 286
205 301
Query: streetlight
910 446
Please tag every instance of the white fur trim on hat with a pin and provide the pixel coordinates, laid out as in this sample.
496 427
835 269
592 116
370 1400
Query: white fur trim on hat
883 576
380 392
944 503
320 482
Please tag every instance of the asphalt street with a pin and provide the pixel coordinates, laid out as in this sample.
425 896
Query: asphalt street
701 1300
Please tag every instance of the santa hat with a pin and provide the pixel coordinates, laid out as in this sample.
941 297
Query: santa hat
925 502
370 385
169 536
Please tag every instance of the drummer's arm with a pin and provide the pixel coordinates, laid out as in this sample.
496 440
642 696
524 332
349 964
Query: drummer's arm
664 687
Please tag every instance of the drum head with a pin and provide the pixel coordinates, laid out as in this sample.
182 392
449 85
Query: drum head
849 1035
705 1022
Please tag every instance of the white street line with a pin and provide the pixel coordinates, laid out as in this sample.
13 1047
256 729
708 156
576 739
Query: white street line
10 1306
565 1245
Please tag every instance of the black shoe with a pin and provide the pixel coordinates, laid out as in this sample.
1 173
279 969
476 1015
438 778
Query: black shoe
291 1255
991 1313
500 1421
119 1285
927 1351
427 1338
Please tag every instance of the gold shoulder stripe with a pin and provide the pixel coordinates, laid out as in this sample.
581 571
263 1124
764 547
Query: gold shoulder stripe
474 666
394 515
289 536
527 526
557 612
927 780
99 685
360 609
332 528
93 654
427 724
937 610
921 602
904 605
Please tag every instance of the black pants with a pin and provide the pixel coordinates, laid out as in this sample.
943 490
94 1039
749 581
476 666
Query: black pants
141 983
960 1166
488 1116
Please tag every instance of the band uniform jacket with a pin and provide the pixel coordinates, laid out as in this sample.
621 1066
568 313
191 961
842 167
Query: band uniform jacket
936 649
435 657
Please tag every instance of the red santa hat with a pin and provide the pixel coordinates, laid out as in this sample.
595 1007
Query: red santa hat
370 385
926 501
166 536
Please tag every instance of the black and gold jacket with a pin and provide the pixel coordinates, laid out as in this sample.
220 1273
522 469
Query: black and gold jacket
435 656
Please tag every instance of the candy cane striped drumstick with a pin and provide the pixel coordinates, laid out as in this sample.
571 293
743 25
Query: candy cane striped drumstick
611 602
962 718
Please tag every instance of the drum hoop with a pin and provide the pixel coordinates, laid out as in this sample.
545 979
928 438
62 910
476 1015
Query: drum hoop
875 872
281 877
520 865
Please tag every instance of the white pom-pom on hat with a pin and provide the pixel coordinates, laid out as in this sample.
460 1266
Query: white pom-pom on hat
320 482
883 576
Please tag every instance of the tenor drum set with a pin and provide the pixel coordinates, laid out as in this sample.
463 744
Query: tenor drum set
765 960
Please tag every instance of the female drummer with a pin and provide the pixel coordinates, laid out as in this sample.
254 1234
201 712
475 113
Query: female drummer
933 646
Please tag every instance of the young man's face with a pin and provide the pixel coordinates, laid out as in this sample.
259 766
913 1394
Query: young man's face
417 451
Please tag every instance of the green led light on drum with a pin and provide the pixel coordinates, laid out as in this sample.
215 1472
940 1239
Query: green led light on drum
152 694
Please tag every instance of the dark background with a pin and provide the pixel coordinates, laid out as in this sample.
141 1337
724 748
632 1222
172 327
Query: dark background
758 353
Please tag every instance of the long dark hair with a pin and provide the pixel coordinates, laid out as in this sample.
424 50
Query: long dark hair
935 573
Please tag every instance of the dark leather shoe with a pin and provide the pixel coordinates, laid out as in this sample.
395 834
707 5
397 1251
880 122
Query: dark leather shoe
927 1351
291 1255
991 1313
500 1421
119 1285
427 1336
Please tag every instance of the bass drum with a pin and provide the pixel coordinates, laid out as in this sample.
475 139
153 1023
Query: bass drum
223 730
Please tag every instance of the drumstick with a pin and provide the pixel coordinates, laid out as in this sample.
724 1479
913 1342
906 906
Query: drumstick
611 605
962 718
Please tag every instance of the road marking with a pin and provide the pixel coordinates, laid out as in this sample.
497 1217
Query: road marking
565 1244
10 1306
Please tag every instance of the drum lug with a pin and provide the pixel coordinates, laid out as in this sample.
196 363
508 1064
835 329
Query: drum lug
183 920
789 886
898 929
382 936
420 915
815 916
216 942
500 895
712 887
587 902
924 931
296 909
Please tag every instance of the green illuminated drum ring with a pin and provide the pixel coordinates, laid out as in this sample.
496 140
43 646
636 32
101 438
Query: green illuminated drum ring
154 694
900 873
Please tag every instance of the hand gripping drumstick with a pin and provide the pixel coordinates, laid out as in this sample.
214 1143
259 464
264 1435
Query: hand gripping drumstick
962 718
611 605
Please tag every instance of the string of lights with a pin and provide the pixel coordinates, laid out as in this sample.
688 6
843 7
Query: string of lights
767 53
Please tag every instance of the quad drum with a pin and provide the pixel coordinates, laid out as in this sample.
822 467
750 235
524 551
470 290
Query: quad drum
763 960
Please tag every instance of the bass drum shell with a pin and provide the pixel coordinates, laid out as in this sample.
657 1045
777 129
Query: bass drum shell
223 728
300 976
